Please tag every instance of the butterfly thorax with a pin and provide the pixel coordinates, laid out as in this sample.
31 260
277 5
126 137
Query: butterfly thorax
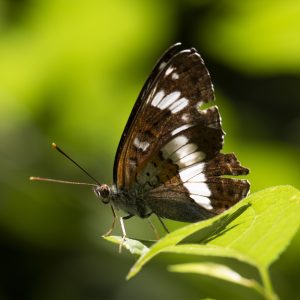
131 202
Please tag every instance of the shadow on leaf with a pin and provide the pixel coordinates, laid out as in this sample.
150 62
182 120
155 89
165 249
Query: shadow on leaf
216 229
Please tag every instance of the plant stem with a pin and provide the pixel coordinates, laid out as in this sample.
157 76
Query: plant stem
269 292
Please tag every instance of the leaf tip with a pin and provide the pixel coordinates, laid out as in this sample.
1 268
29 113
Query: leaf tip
132 272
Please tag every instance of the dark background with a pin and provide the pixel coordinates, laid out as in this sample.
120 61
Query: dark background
70 72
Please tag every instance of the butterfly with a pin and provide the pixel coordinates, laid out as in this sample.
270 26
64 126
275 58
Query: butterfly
168 161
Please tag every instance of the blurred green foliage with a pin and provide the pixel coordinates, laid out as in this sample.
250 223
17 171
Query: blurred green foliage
70 73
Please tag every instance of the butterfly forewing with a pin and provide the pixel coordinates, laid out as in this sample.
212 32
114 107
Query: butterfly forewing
169 153
161 63
170 105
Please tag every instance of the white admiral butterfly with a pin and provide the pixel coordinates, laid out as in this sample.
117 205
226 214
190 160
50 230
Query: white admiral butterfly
168 161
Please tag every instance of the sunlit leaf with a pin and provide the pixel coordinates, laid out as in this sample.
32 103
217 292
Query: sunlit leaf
256 230
209 250
218 271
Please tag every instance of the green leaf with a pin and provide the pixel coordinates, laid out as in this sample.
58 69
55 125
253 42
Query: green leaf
256 230
218 271
133 246
209 250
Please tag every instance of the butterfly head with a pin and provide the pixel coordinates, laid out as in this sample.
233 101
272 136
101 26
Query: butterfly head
103 191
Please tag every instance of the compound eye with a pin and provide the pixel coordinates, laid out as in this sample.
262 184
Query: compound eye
103 192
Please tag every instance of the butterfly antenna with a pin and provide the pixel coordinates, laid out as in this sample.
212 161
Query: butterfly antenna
32 178
54 146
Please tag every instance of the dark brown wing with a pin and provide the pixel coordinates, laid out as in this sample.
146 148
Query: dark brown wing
198 191
170 151
160 64
169 106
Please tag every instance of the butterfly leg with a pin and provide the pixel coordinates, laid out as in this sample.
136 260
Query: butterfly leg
123 230
163 224
113 223
154 229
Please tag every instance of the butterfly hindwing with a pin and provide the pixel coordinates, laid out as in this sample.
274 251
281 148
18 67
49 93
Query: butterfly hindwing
199 184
